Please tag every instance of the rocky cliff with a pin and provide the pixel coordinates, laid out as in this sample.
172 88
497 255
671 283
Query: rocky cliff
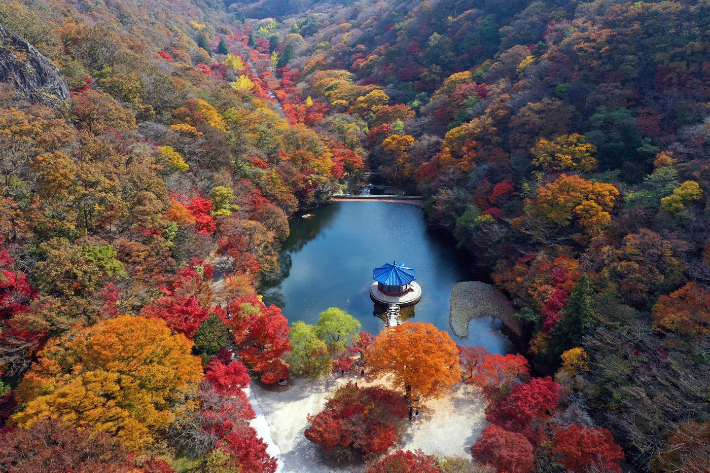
32 74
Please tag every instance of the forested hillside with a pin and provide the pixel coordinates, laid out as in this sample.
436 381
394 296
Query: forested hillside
565 144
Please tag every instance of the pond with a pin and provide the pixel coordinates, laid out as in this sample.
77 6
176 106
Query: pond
327 261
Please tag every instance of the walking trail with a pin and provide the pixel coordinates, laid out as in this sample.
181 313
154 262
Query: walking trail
446 426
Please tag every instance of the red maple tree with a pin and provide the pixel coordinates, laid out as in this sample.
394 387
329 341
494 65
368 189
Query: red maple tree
507 451
528 406
261 335
495 374
406 462
581 449
227 378
361 419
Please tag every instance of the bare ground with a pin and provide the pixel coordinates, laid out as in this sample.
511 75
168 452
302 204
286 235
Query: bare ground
446 426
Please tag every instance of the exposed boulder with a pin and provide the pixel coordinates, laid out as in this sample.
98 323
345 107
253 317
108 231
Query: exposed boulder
32 74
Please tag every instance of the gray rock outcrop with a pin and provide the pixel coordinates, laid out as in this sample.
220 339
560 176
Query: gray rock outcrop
31 73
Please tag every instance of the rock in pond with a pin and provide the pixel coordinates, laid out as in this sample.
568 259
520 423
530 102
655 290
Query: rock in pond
472 299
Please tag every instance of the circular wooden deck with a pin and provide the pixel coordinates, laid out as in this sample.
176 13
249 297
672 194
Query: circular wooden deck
409 298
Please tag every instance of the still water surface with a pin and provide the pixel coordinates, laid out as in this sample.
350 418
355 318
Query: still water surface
328 259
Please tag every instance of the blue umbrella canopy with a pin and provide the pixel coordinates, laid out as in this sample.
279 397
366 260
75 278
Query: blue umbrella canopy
393 274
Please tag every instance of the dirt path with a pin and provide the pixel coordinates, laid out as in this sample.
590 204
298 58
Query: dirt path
447 426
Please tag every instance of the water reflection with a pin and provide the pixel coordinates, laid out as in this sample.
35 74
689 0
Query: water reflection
328 259
405 313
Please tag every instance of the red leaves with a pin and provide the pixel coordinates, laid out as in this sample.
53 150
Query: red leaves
182 314
7 405
165 56
507 451
361 419
580 449
326 430
493 373
227 379
250 451
501 189
15 289
200 209
365 341
406 462
261 333
184 305
527 406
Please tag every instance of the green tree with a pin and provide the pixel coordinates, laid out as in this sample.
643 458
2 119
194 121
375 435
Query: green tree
286 56
222 47
578 316
204 43
211 336
309 356
337 328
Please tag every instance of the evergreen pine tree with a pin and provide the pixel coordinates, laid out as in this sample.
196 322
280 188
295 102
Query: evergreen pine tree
204 43
211 336
222 47
578 316
286 56
273 43
252 42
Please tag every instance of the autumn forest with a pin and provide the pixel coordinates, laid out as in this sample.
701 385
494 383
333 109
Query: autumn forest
152 153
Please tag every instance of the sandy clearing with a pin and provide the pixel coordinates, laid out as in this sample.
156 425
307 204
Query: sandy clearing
447 426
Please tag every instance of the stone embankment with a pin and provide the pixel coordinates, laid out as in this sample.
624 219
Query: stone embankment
404 199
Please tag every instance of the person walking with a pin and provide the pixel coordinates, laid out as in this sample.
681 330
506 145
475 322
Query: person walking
411 409
416 415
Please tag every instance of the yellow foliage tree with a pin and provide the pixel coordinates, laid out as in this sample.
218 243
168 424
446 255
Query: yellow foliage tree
211 115
423 359
197 26
186 129
397 146
575 360
688 192
234 62
370 103
172 159
120 376
566 152
243 84
452 82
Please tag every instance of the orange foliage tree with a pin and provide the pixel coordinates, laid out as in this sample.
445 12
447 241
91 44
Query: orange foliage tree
569 202
119 376
685 311
422 358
